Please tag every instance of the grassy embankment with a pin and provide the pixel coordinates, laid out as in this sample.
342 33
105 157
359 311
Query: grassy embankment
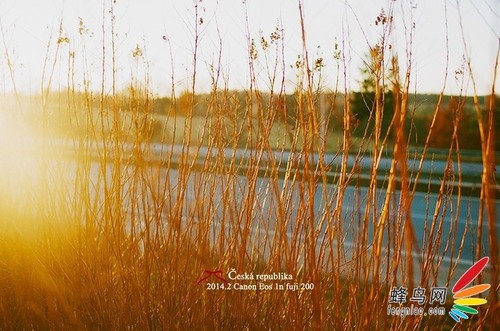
121 243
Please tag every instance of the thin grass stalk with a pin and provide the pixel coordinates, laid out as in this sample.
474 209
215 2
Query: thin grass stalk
310 141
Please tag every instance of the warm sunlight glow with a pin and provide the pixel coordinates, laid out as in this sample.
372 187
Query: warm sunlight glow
249 165
20 160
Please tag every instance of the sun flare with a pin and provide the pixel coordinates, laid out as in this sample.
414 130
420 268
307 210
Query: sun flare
20 160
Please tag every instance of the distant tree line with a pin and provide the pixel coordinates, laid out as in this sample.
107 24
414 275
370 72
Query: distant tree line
65 112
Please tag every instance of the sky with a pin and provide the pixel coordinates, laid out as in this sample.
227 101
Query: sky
163 31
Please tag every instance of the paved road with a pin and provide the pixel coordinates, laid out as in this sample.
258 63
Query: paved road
210 188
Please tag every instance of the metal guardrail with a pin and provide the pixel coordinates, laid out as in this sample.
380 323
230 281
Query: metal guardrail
203 158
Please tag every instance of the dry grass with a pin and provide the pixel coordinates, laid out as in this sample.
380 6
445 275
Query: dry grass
117 235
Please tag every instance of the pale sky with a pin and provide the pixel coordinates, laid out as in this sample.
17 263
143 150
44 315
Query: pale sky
27 26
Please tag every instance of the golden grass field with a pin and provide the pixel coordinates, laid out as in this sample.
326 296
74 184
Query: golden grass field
101 231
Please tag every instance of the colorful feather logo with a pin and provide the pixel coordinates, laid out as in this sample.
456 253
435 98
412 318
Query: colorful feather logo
463 296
